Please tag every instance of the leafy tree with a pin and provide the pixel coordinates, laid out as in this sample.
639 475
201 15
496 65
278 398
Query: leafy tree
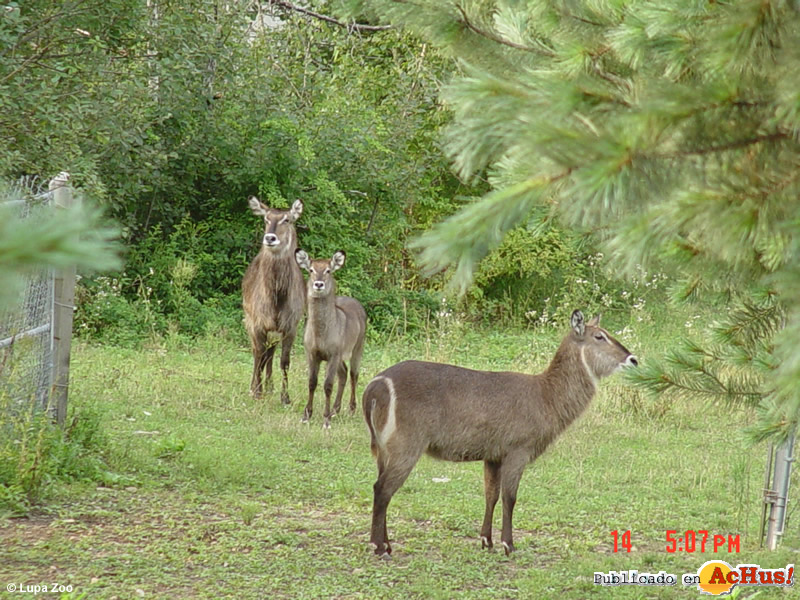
670 129
64 90
173 113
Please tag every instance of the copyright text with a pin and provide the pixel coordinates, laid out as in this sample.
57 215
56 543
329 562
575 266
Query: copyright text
39 588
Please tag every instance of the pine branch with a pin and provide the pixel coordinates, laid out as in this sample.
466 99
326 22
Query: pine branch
465 238
657 380
776 421
612 78
734 145
496 38
56 238
750 324
581 19
349 26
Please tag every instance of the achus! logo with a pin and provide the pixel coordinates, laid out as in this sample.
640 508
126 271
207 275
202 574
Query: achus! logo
718 578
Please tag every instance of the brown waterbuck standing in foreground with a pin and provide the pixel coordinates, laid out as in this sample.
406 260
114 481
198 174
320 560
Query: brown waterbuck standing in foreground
504 419
272 294
335 332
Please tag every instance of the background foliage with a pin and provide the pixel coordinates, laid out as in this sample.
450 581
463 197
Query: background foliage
172 117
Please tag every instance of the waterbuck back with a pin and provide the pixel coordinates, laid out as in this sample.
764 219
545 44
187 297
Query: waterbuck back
504 419
273 296
335 332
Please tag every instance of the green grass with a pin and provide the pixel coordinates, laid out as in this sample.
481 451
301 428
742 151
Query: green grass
211 494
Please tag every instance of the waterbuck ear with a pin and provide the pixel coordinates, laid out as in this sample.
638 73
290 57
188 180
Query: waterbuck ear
301 256
337 262
577 322
296 210
256 206
594 321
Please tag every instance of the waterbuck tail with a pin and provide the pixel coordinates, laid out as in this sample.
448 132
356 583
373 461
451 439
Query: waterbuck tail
378 403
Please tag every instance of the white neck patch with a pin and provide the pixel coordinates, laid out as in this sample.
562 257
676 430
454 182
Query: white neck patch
589 372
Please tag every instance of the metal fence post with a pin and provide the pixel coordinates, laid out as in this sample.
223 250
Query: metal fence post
778 495
63 308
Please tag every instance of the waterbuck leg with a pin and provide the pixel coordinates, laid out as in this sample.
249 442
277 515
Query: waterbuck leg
342 380
258 346
313 376
330 374
389 481
353 382
355 365
512 469
255 380
491 489
286 350
266 365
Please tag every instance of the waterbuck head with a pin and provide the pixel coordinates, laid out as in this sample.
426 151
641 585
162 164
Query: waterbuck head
320 282
600 353
279 233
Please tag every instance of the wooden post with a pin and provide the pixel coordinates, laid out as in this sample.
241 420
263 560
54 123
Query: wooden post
63 308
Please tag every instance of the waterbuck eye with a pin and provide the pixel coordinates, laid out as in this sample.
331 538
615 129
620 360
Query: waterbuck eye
599 336
328 270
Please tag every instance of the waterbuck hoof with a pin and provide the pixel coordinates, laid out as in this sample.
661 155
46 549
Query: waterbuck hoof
304 420
285 400
327 423
509 548
384 552
486 543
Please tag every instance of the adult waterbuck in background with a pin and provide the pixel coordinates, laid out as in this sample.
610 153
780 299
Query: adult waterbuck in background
272 294
335 332
504 419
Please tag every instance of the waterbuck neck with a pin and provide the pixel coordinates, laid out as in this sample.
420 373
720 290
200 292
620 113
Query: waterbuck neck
322 313
281 270
568 385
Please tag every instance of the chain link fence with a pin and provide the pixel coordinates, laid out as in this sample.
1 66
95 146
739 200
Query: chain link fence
27 327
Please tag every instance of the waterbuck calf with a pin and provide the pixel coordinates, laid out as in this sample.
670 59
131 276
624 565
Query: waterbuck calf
272 294
335 332
504 419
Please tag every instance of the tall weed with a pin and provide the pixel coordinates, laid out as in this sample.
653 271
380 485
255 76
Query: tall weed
35 453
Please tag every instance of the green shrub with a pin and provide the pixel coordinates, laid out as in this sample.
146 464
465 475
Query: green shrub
541 273
34 453
104 313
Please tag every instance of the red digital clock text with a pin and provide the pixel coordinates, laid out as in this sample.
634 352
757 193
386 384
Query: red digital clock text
700 541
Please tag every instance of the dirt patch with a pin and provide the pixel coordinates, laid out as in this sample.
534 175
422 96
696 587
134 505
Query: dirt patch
30 529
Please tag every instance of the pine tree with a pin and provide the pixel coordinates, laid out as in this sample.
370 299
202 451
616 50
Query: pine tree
58 238
670 128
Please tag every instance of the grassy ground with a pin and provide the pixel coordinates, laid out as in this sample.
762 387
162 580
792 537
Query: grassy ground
211 494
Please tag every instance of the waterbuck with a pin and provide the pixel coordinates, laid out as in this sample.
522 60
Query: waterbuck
272 294
504 419
334 332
